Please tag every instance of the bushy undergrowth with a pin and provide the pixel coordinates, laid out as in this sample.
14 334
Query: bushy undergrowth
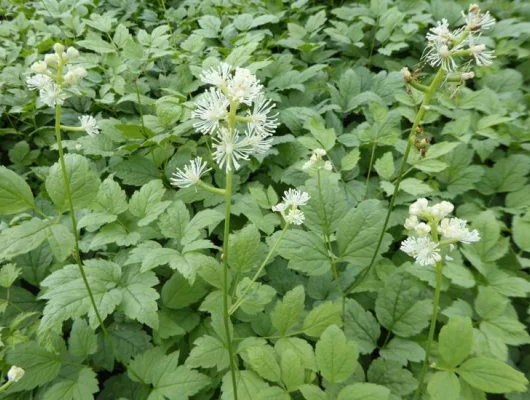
276 265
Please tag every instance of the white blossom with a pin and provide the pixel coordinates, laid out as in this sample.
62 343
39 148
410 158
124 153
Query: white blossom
455 229
52 95
295 217
39 66
422 229
261 119
72 53
191 174
475 20
89 125
439 55
58 48
73 76
243 86
280 207
51 59
212 108
440 32
482 56
423 249
295 197
15 374
217 76
231 148
441 210
419 207
38 81
411 222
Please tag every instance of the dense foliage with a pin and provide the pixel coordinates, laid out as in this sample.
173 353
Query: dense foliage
327 317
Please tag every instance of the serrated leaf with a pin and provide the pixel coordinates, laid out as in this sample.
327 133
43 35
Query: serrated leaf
248 384
287 313
361 326
293 373
336 357
301 348
320 317
83 340
444 385
78 385
384 166
325 136
9 274
61 241
245 250
147 203
15 193
455 341
23 238
139 298
262 359
403 351
390 374
364 391
305 251
492 376
208 352
350 160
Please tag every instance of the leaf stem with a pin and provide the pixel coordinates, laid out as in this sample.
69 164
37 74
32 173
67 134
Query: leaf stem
436 301
241 299
437 81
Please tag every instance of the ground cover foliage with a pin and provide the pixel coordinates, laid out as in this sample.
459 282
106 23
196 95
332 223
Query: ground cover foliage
324 319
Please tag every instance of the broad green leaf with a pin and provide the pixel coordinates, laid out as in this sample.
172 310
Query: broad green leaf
41 366
358 233
325 136
361 326
293 373
444 385
96 44
83 340
507 175
173 221
178 293
320 317
147 203
84 182
248 384
201 220
245 251
403 351
262 359
68 298
364 391
23 238
111 197
258 296
208 352
401 306
15 193
506 328
301 348
9 274
390 374
492 376
521 231
305 251
336 357
287 312
61 241
490 304
312 392
139 299
77 385
415 187
350 160
455 341
384 166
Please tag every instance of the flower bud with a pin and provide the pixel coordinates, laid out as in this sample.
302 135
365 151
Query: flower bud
422 229
411 222
39 66
467 75
59 48
51 59
70 78
80 72
418 207
406 74
71 53
15 374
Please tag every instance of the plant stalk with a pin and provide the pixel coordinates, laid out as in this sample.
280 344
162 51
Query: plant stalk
437 81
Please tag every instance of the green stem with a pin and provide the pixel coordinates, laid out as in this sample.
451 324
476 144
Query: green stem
436 301
211 189
226 314
437 81
418 86
5 386
241 299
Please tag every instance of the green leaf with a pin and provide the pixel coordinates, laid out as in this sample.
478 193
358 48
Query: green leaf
68 298
287 313
208 352
415 187
111 197
490 304
358 233
384 166
146 203
390 374
350 160
301 348
306 252
83 340
455 341
336 357
293 373
84 182
320 317
262 359
168 379
521 231
179 293
173 221
364 391
40 365
245 250
508 175
403 351
401 306
312 392
361 326
138 296
201 220
61 241
96 44
492 376
23 238
256 298
9 274
248 384
444 385
78 385
507 329
326 137
15 193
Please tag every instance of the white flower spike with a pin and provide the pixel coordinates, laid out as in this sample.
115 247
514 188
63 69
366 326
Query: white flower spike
217 76
455 229
423 249
52 95
89 125
292 199
295 198
212 108
261 119
243 87
191 174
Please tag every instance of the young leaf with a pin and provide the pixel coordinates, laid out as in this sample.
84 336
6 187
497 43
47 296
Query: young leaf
364 391
208 352
293 373
77 385
444 385
286 314
306 252
336 357
139 298
320 317
248 384
455 341
390 374
262 359
83 341
492 376
15 193
361 326
301 348
9 274
245 250
147 203
384 166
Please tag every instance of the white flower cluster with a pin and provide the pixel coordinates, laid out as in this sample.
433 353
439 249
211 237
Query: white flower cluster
316 162
292 199
216 115
422 247
50 79
89 125
444 45
191 174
